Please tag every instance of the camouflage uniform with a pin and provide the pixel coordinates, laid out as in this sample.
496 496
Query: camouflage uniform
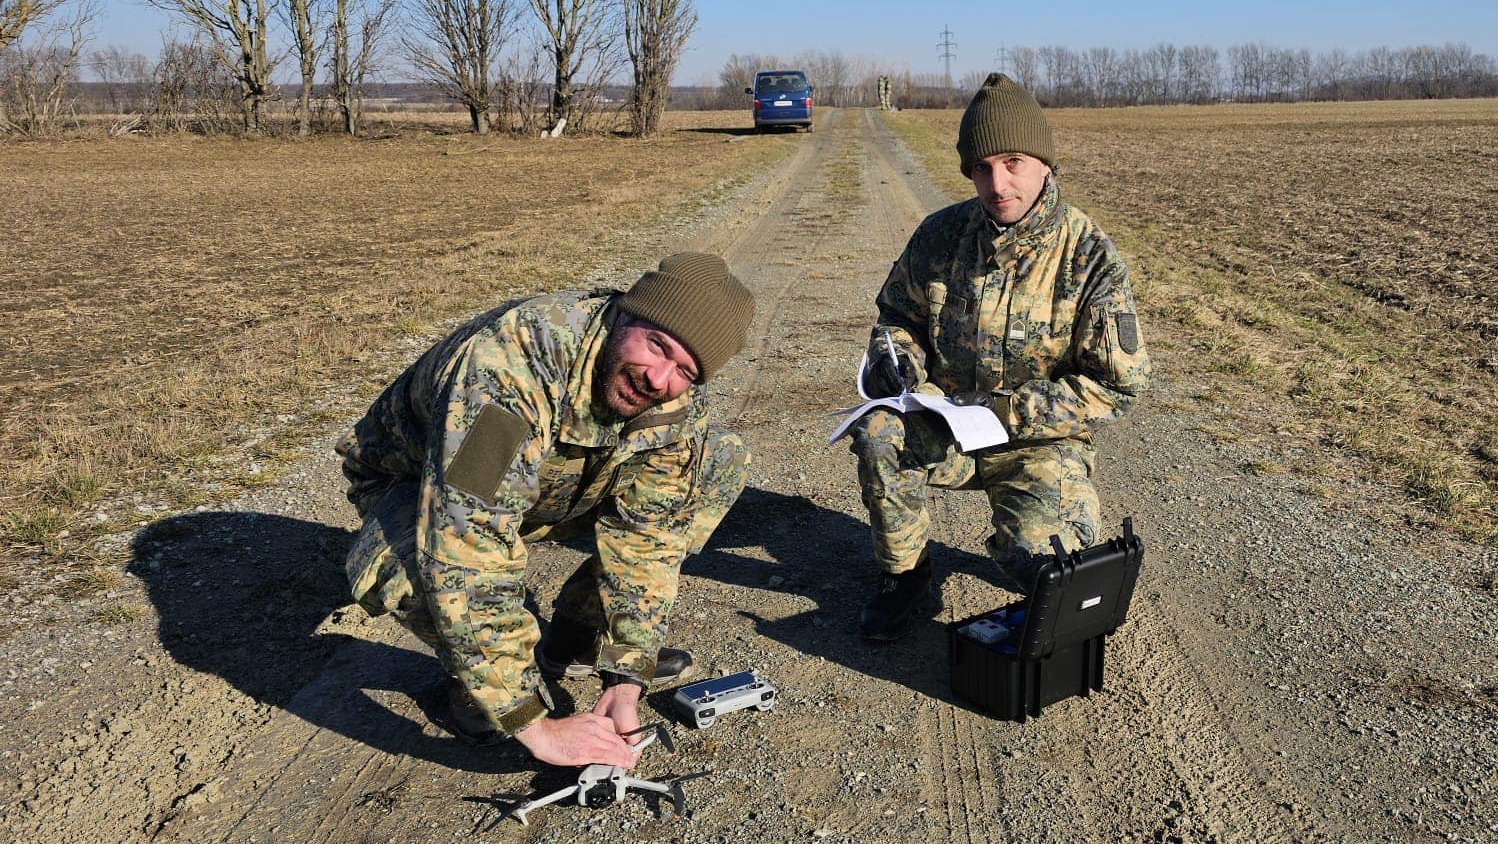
490 441
1039 313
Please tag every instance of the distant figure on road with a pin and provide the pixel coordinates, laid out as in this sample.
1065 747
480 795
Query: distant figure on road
1015 301
550 418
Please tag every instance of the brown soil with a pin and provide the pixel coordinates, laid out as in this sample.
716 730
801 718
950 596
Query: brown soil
1293 669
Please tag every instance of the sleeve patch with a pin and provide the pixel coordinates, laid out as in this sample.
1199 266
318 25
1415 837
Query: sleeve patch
1128 332
486 453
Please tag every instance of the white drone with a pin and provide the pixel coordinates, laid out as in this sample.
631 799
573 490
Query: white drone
604 785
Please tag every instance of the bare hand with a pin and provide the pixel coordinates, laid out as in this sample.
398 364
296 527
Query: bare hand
621 705
582 739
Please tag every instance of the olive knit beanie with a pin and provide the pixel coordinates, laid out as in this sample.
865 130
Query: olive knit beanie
1003 117
695 299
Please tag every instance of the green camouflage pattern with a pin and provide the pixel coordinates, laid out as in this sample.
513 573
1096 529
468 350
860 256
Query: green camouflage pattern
1041 315
638 484
1036 490
594 598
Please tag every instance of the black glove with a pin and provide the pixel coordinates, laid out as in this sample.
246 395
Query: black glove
982 398
884 378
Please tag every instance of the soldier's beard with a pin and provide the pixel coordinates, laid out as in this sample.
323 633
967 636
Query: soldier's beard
617 390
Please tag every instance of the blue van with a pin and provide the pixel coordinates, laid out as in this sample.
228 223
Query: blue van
781 98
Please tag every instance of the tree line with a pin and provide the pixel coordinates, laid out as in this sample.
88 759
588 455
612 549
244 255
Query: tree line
528 65
1164 73
544 65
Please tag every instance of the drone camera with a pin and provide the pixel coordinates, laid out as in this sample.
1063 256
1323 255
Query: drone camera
599 796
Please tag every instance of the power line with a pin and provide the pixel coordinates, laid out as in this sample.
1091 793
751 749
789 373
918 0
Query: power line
947 47
1001 58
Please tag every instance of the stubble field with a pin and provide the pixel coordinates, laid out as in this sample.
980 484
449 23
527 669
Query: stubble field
1328 267
1293 668
179 306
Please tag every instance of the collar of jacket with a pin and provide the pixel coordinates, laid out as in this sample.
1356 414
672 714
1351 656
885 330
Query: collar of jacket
579 425
1039 222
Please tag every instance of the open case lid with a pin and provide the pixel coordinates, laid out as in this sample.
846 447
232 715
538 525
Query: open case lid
1082 594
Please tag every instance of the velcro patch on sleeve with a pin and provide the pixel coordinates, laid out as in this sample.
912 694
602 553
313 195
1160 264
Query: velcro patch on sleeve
1128 332
486 453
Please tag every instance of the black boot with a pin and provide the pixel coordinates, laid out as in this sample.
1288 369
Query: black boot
569 649
899 598
672 665
461 715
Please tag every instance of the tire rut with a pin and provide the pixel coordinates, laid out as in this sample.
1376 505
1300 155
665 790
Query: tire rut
288 778
964 782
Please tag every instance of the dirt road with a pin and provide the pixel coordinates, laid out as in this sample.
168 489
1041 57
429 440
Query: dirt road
1291 670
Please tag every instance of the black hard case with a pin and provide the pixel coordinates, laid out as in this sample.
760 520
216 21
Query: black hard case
1078 599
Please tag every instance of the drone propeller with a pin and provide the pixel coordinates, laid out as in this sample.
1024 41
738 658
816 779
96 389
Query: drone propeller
690 777
660 732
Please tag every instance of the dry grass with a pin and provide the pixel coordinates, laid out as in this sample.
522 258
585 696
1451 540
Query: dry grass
182 307
1331 256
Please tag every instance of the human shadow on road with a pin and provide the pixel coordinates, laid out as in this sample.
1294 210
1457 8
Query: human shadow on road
721 130
827 556
242 595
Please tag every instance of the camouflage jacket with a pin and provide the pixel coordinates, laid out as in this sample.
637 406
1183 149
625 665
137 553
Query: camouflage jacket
498 422
1039 313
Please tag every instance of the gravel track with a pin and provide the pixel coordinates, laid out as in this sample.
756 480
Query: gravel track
1293 669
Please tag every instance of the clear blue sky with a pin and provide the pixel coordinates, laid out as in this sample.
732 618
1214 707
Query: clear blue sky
908 32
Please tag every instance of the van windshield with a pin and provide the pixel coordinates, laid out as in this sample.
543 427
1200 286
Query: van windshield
777 83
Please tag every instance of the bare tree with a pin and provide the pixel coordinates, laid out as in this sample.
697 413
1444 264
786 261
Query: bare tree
358 29
16 15
236 31
737 74
973 79
836 76
455 45
1063 71
655 32
126 76
1161 66
1100 70
523 89
863 80
39 76
192 90
303 17
1201 73
582 33
1025 65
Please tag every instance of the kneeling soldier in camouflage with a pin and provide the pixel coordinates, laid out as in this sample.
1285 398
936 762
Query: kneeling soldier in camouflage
545 419
1015 301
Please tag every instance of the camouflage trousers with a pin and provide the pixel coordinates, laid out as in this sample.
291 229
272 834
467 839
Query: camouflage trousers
382 564
1036 491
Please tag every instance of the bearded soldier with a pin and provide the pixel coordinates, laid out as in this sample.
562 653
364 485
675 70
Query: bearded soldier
1015 301
548 418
